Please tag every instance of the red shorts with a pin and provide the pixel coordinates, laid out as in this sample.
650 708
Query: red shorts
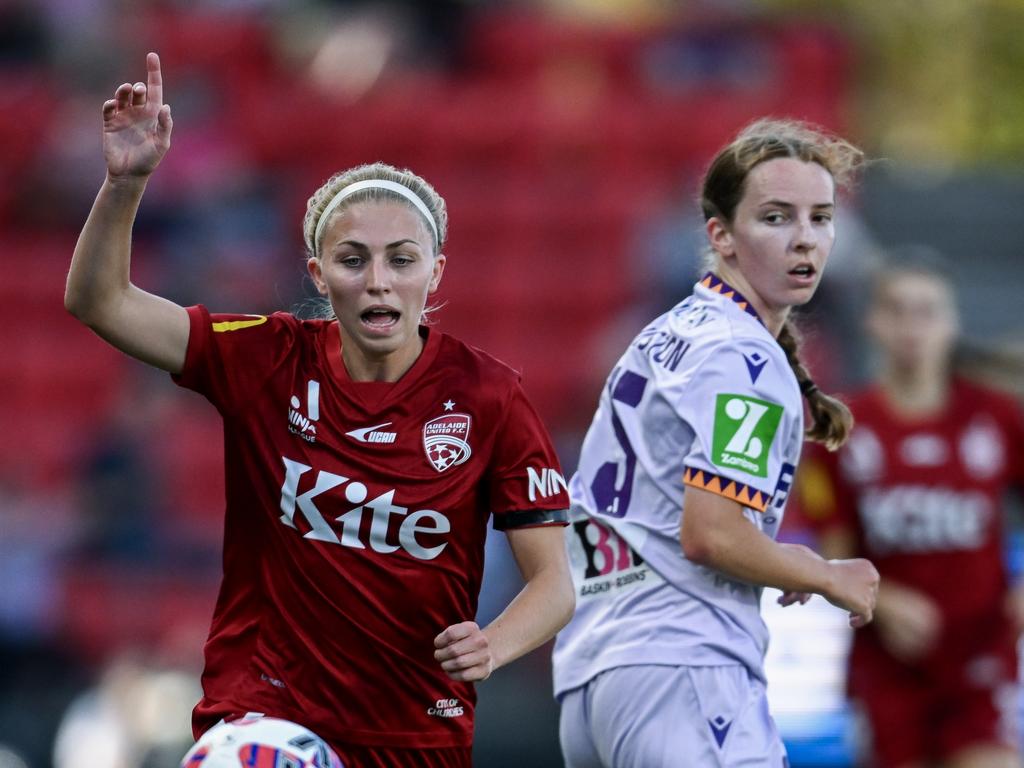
353 756
915 718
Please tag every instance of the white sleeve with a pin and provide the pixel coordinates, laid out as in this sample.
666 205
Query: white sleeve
742 406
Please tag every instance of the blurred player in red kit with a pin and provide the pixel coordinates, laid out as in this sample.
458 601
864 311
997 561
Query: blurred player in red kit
918 489
364 455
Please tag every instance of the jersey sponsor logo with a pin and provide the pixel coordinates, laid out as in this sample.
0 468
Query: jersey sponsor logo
918 518
446 708
446 441
373 434
236 325
546 482
304 425
603 563
743 433
414 533
755 364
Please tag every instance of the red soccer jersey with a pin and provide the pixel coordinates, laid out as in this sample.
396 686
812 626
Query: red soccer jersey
355 524
924 498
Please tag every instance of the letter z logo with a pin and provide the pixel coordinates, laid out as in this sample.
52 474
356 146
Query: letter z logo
743 433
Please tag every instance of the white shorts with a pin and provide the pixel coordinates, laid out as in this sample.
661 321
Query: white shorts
652 716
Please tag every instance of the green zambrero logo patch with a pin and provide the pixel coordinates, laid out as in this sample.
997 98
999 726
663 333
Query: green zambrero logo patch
743 433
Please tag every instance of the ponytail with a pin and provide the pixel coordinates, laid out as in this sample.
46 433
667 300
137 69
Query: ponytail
831 420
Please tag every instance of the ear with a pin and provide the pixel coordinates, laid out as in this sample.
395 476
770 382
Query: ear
313 265
437 270
719 237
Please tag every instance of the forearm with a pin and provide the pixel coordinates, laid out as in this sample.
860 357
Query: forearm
543 607
739 550
99 276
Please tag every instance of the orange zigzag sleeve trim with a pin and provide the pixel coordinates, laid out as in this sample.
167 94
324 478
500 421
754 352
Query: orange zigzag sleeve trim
730 489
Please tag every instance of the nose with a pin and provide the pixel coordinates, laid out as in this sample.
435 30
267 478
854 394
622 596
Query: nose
805 239
377 277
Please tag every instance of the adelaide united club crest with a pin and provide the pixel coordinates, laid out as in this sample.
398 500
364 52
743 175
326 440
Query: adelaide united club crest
446 440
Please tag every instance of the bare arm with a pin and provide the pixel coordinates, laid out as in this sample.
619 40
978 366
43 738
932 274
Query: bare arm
136 135
543 607
715 534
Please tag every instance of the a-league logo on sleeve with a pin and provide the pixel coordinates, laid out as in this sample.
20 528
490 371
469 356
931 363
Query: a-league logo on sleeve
743 433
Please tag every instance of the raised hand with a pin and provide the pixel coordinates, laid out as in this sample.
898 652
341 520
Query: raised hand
137 126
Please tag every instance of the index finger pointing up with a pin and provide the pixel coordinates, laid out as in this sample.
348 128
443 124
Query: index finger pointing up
155 82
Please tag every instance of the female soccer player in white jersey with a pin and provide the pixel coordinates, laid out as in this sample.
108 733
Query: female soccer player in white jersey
364 456
683 477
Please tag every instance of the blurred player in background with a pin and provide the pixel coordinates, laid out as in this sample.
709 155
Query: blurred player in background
918 489
364 455
683 478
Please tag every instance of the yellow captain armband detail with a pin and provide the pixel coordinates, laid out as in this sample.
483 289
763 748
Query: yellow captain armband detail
237 325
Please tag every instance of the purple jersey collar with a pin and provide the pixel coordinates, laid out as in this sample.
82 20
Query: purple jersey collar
713 282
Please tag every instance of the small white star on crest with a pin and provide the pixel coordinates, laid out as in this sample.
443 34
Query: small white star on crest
449 405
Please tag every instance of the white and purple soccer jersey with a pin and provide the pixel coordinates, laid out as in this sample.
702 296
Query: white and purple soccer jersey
703 397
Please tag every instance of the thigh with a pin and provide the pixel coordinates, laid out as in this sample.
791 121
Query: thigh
354 756
734 708
654 716
574 731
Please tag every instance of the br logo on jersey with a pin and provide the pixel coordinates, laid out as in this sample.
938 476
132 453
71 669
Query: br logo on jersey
446 440
743 433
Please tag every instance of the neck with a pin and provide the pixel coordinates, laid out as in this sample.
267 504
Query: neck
773 319
387 367
915 392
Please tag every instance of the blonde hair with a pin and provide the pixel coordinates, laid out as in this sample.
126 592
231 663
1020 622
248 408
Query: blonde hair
320 199
723 188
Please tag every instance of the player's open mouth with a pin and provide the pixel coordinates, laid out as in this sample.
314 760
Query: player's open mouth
804 274
380 318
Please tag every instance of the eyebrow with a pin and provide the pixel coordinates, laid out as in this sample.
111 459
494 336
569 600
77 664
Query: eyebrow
784 204
363 247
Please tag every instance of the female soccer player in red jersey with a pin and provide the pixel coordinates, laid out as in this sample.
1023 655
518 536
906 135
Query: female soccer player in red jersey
364 455
918 489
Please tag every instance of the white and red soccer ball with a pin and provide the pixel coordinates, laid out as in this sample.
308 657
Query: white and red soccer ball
260 742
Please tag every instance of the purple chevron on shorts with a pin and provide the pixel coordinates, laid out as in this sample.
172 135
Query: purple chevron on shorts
720 728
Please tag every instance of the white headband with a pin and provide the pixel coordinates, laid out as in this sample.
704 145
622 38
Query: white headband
359 186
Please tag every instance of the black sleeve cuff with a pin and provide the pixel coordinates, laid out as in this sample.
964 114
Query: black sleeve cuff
530 518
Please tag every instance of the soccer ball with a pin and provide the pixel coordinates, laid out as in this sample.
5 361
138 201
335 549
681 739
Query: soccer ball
267 742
